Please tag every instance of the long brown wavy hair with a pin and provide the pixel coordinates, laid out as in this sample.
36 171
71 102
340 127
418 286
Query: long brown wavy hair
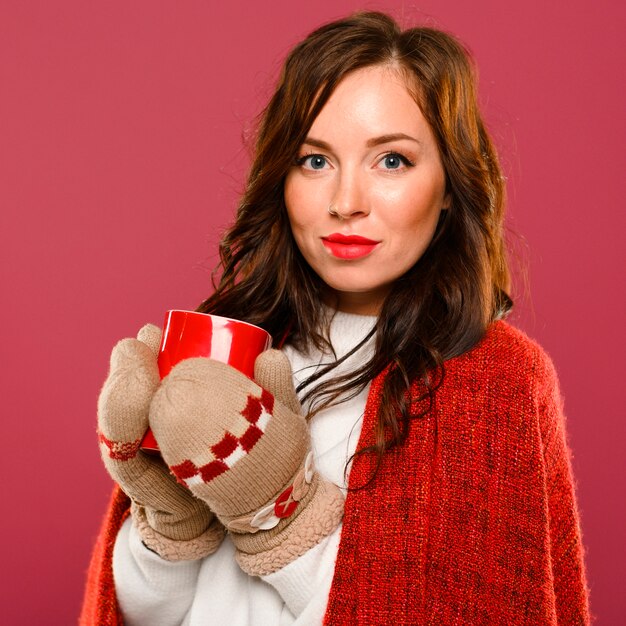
442 306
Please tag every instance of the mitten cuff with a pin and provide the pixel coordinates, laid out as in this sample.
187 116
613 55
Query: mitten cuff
172 550
265 552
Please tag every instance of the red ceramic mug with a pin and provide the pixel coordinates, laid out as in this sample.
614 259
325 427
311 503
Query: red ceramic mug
188 334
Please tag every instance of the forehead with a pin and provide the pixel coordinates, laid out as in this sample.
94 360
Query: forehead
373 100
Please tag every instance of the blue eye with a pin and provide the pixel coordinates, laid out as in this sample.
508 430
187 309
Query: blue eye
394 161
313 161
317 162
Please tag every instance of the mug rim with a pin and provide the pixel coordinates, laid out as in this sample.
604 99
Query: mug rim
221 317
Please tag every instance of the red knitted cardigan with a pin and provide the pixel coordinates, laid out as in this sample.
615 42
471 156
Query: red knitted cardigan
473 521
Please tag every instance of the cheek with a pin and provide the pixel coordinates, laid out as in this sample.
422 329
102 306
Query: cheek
292 202
410 220
414 208
301 208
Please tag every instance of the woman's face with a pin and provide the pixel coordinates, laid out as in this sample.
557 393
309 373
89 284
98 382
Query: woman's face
365 194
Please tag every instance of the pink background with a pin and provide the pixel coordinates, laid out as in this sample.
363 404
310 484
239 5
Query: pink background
122 128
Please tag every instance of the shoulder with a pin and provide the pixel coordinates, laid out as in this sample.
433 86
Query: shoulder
507 356
502 343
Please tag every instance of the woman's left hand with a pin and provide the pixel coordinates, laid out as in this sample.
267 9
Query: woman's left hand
244 449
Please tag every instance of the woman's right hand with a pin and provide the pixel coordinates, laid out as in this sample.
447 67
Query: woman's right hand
172 522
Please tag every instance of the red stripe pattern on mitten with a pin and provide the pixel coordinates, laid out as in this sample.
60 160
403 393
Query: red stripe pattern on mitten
230 448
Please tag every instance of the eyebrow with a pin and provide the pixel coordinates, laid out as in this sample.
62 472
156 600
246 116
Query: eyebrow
374 141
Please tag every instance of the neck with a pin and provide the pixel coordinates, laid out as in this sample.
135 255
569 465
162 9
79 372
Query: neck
355 303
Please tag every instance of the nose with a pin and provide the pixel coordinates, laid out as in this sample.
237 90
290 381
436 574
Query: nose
349 199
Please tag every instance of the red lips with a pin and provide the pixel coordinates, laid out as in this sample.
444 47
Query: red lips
349 239
349 246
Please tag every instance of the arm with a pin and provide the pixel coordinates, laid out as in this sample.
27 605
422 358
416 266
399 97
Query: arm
566 549
167 517
149 589
153 590
304 584
213 590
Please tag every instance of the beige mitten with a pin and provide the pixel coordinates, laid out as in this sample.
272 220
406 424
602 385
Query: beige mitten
171 521
244 448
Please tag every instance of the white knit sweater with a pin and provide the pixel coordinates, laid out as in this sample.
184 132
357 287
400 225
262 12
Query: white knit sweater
214 590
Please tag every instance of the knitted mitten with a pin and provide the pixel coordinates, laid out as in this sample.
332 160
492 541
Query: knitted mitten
244 449
170 520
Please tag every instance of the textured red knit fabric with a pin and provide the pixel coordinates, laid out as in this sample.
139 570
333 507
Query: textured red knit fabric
100 603
472 522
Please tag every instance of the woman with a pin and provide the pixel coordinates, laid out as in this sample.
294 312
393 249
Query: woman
369 244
